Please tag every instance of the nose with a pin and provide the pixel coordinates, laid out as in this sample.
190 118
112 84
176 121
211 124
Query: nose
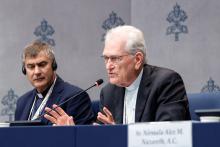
109 65
37 70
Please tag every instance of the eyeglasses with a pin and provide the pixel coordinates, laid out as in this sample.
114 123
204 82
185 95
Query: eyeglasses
114 59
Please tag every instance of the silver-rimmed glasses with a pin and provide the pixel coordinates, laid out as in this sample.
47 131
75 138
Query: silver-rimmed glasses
114 59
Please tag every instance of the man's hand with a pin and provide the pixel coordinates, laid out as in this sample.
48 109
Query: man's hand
58 116
107 117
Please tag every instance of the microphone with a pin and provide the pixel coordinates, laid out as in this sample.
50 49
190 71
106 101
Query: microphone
97 83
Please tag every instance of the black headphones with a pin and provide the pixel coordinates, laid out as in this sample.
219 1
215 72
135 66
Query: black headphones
54 67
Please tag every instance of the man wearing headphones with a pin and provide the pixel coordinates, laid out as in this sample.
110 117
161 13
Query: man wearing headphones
39 65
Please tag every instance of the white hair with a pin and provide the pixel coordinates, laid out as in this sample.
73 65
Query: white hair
133 36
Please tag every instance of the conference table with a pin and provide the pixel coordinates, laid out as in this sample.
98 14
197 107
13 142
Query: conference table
197 134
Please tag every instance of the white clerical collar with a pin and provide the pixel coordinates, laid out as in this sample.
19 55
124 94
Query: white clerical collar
136 83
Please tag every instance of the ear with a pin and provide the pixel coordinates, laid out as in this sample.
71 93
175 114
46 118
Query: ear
139 59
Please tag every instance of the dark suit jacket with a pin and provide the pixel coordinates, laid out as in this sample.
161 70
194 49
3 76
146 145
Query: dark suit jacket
161 97
79 107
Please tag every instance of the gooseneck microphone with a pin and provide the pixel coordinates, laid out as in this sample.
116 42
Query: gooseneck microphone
97 83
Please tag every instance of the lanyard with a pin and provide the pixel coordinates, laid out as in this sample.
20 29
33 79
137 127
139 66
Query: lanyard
42 105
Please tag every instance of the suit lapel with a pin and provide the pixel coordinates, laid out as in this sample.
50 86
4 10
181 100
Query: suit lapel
119 104
55 95
143 93
28 105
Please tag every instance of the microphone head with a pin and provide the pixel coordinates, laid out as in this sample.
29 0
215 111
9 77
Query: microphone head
99 82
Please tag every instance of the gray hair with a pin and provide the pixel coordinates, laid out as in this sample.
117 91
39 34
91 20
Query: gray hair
34 48
133 36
